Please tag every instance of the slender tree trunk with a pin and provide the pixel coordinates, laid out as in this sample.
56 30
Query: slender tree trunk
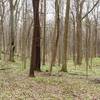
0 29
87 46
35 54
12 44
95 38
79 8
24 42
0 39
74 40
56 31
44 35
65 38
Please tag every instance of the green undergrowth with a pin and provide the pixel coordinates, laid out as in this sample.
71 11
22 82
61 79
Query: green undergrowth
16 85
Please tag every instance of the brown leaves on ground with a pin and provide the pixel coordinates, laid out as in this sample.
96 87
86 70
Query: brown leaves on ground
18 86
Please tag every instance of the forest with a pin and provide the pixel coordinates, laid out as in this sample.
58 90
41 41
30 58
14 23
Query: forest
49 50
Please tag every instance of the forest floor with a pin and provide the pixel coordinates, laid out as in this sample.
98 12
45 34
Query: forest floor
16 85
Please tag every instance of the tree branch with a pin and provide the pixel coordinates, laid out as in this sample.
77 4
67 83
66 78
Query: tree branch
90 10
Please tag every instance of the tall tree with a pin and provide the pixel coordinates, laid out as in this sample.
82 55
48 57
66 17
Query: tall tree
24 47
65 38
79 8
44 35
74 38
79 18
96 30
35 53
0 28
12 41
56 34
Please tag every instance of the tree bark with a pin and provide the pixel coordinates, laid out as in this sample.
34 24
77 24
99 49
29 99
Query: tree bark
12 43
65 38
35 53
44 35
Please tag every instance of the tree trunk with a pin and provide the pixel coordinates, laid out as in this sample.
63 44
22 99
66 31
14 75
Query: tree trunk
79 8
56 31
65 39
12 44
35 53
44 48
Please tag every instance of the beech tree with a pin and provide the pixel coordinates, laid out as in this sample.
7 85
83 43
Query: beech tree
65 38
44 33
35 53
12 41
56 35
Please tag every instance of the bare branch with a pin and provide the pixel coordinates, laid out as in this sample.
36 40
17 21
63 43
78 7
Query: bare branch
90 10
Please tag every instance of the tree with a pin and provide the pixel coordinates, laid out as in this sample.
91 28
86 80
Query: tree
95 31
79 18
74 38
44 35
12 42
0 29
79 8
35 53
65 38
24 41
56 34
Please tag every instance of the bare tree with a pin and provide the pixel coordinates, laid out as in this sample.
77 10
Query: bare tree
12 40
65 38
35 55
